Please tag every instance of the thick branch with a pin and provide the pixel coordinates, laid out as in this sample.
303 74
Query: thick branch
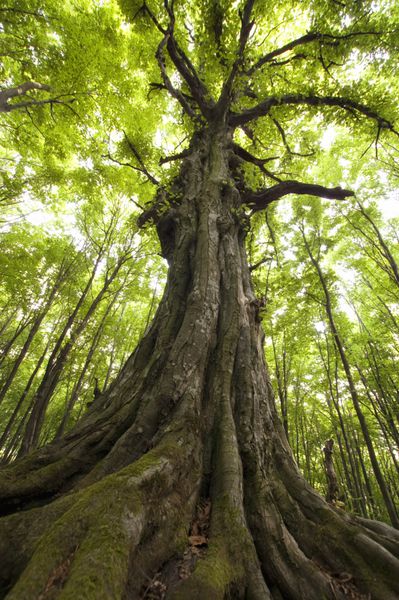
264 108
246 26
172 157
189 74
181 62
184 65
157 24
21 90
305 39
168 84
259 200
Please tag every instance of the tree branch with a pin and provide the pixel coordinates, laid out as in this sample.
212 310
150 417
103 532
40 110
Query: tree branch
167 82
185 66
258 264
141 169
172 157
262 109
21 90
284 138
153 85
189 74
306 39
259 200
246 26
181 62
280 63
259 162
153 18
137 156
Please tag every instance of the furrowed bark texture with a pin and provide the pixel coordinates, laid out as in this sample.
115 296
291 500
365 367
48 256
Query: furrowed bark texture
107 511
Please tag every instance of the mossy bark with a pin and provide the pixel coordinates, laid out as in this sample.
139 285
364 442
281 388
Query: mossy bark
106 512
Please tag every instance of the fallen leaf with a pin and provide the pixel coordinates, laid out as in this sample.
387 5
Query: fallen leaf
197 540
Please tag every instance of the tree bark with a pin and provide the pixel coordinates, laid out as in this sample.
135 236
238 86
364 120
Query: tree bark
332 480
186 440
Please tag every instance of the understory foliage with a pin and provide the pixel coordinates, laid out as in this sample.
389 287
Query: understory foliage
307 373
173 179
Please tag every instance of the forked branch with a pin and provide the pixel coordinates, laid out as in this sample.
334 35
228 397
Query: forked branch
263 108
167 82
182 64
259 162
312 36
246 26
22 90
281 131
189 74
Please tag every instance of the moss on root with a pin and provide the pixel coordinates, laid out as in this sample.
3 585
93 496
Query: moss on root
212 576
96 530
93 538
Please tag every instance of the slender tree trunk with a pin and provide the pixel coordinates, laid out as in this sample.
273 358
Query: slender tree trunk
34 329
8 319
332 480
386 404
383 247
335 411
10 451
353 392
366 479
379 409
187 432
351 499
19 329
78 385
60 356
22 398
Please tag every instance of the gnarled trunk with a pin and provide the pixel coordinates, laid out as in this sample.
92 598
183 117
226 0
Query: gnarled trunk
180 478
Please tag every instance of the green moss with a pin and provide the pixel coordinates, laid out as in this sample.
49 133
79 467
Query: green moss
15 482
97 530
229 519
84 549
211 578
103 566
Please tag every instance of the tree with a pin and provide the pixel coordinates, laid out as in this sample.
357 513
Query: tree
180 478
350 379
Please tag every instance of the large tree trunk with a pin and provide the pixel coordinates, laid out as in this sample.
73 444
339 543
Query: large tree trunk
180 478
